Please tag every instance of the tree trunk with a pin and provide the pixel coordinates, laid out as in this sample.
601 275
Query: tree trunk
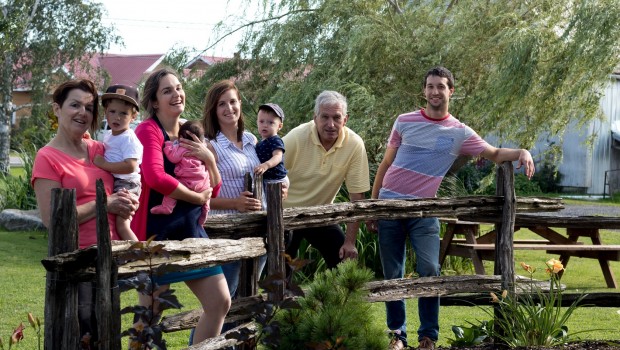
6 110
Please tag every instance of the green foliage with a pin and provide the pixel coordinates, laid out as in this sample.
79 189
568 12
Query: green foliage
473 175
35 130
333 314
15 191
457 265
547 175
541 321
472 334
513 61
525 186
479 178
146 333
38 40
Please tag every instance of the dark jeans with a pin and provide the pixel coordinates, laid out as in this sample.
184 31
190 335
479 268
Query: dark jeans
87 315
326 239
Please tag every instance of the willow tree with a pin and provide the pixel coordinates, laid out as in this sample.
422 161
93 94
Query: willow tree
522 68
39 38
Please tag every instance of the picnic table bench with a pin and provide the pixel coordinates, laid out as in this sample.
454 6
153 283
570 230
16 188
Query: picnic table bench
482 247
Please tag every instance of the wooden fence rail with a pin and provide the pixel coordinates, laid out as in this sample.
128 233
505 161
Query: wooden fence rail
66 266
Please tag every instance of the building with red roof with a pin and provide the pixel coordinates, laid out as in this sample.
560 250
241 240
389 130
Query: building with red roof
108 69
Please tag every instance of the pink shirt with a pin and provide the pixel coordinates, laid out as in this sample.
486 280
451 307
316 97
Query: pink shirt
52 164
426 149
190 171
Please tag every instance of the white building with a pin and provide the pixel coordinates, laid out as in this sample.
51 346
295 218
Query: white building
593 169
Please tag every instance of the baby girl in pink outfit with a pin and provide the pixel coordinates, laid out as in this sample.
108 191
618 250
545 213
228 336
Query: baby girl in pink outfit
190 171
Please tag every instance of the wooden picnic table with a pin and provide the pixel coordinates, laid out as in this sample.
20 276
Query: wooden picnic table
482 247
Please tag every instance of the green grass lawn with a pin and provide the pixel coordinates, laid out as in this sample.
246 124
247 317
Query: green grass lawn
22 281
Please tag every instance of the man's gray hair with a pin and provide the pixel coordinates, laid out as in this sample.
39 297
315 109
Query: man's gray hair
330 98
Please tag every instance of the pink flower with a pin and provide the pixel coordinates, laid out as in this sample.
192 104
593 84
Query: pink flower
18 334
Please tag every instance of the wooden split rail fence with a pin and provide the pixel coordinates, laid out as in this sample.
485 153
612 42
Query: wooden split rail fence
236 237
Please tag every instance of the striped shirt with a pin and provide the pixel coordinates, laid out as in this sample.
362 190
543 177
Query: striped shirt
232 164
426 149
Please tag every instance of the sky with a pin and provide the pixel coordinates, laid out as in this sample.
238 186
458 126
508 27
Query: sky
156 26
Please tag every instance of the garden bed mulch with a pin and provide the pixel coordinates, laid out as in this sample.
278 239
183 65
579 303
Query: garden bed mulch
584 345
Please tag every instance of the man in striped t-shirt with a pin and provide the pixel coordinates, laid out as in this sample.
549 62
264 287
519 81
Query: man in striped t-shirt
420 151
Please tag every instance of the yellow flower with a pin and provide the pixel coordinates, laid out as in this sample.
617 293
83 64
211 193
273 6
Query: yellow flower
554 266
494 298
528 268
504 294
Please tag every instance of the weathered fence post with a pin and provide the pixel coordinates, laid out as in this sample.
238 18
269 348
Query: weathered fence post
108 296
248 278
61 302
504 248
275 239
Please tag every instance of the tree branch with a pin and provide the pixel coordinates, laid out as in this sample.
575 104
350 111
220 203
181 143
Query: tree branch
24 106
394 4
34 10
445 15
249 24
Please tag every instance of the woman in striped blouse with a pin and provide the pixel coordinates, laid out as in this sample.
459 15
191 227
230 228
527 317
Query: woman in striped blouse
235 155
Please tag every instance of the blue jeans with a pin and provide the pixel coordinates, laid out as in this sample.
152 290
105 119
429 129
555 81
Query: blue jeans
232 271
424 236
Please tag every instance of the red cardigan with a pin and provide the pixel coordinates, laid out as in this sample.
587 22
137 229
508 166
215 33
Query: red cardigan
152 173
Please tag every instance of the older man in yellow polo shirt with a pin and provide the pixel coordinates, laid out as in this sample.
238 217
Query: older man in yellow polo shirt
320 156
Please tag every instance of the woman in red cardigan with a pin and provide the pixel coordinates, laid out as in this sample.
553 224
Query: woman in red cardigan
163 100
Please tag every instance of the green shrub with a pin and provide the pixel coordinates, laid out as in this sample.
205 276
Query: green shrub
526 187
15 191
472 175
472 334
535 317
35 130
333 314
547 175
479 178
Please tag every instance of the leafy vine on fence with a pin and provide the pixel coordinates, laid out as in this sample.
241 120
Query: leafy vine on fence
146 332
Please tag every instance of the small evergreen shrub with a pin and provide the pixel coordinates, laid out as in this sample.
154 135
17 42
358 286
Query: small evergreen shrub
333 314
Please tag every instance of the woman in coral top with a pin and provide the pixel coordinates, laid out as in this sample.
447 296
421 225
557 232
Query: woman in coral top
67 162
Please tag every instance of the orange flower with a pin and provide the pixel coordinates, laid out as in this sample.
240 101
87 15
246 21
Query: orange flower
494 298
554 266
528 268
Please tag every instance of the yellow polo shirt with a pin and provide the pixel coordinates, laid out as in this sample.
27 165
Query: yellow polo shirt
316 174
